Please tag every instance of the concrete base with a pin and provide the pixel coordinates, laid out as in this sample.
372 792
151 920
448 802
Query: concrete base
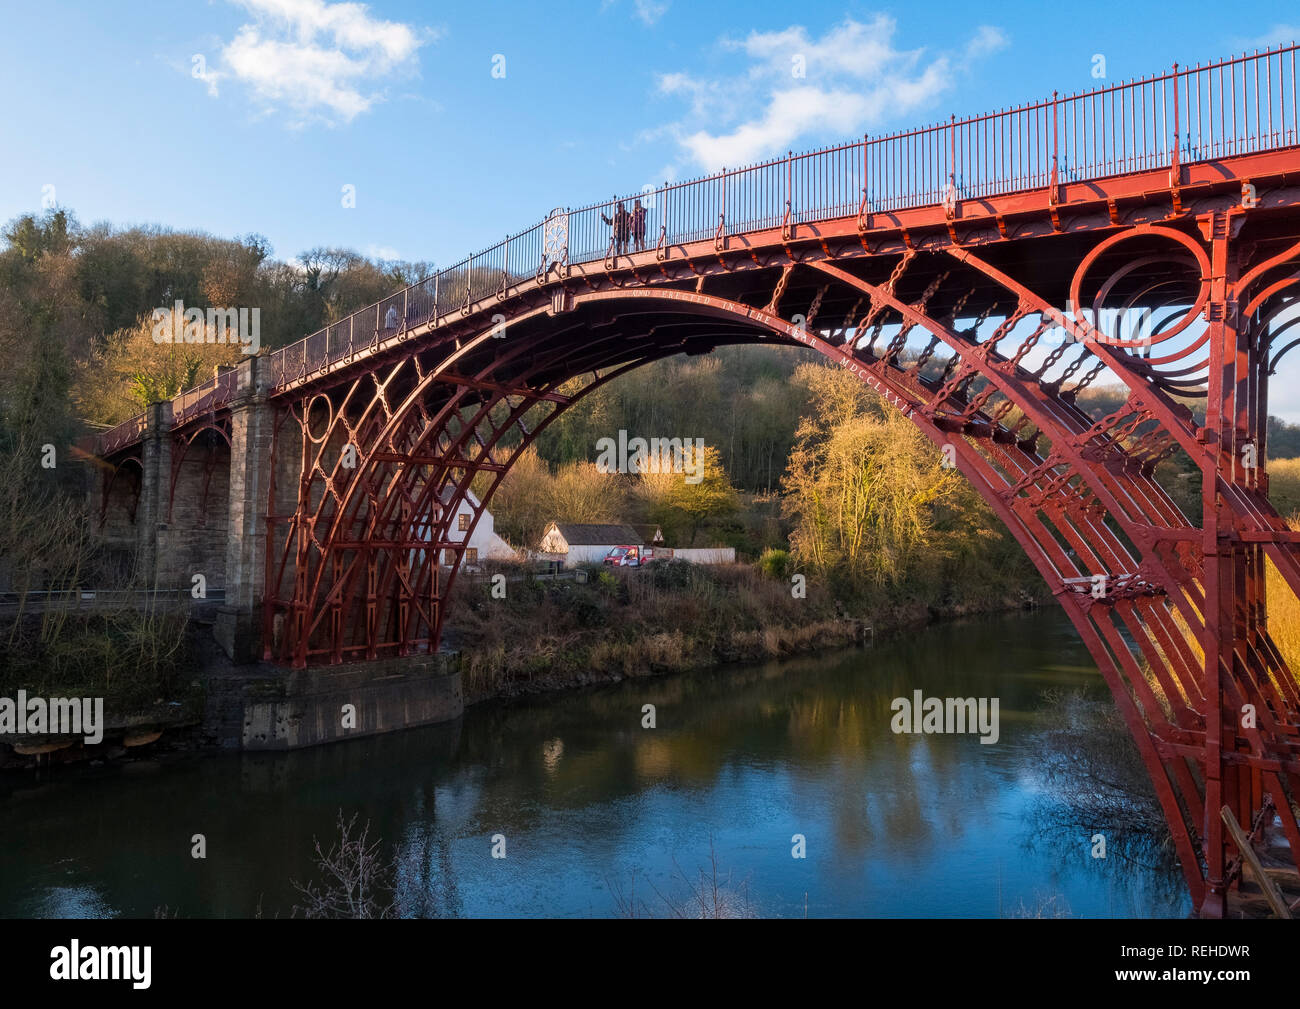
239 633
307 707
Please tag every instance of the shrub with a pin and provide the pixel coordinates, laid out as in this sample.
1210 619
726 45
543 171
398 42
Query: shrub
774 563
672 574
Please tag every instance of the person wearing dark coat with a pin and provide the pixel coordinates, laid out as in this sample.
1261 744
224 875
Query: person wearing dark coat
638 226
621 224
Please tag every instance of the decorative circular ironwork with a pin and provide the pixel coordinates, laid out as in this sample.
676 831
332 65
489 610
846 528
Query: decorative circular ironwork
313 408
1188 267
555 237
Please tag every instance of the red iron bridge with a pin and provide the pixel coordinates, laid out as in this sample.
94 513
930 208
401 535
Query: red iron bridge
979 274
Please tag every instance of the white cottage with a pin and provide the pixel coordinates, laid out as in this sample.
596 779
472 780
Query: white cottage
484 544
577 543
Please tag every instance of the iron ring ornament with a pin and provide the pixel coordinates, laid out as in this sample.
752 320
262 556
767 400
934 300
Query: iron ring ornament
1190 259
555 241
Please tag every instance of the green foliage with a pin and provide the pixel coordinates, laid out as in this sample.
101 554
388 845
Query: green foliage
673 574
85 292
774 563
532 496
588 612
863 483
684 503
738 398
32 238
1283 439
132 658
877 513
46 328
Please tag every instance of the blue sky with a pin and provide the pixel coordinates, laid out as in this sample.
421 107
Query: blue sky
398 99
460 122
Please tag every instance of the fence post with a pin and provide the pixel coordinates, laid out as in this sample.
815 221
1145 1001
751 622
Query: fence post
950 197
720 237
787 226
866 181
505 270
1055 194
661 251
952 151
1175 167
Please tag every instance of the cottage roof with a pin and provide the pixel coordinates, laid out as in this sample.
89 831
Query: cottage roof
650 533
586 534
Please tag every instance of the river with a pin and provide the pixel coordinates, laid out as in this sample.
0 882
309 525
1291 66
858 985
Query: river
598 815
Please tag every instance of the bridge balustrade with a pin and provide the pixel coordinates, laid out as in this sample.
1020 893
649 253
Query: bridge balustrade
1230 107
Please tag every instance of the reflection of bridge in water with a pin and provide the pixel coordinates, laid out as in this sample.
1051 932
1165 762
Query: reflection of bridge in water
936 265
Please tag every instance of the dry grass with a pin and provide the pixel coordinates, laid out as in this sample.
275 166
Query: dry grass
662 619
1283 615
1283 606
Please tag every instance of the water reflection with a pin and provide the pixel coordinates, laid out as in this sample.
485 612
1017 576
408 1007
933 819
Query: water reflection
743 758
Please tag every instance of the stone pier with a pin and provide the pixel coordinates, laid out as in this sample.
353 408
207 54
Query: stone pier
239 621
155 487
200 506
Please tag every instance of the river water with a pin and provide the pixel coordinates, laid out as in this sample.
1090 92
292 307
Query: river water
599 816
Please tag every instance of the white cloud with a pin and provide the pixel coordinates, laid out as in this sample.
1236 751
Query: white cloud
1279 34
850 79
651 11
319 60
648 11
987 41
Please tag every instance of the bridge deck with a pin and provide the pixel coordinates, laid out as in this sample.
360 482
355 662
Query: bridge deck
1179 133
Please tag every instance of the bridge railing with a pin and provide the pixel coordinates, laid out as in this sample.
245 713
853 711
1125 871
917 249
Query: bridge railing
126 433
1234 106
1230 107
1254 99
212 395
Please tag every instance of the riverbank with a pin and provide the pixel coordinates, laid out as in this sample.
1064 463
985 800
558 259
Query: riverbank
667 618
545 635
141 661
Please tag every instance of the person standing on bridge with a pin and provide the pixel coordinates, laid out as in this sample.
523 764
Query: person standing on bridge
620 224
390 320
638 226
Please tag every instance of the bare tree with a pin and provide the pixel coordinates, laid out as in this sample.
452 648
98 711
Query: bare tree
709 894
357 881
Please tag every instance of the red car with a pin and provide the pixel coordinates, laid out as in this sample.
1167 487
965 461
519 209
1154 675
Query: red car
629 556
